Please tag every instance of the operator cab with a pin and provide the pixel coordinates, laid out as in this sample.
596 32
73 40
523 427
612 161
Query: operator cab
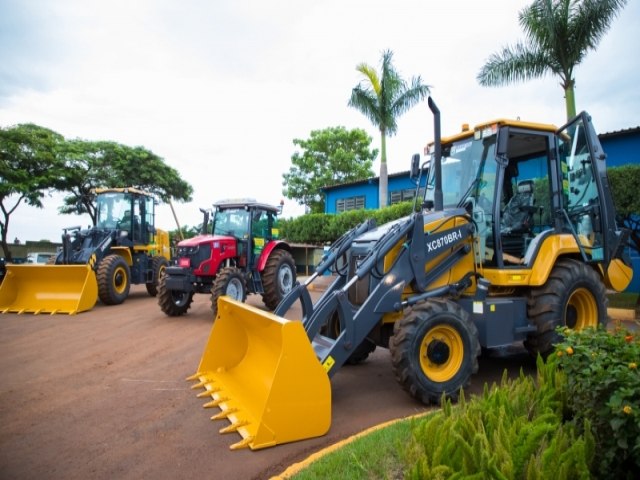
252 223
504 174
129 211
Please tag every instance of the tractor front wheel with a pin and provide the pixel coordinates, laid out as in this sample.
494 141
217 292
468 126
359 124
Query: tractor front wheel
434 350
158 265
114 280
230 282
573 297
278 277
173 303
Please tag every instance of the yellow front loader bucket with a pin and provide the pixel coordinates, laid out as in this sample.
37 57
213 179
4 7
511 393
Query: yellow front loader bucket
262 372
48 289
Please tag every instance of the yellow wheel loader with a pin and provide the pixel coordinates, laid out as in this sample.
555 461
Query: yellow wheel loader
123 248
516 236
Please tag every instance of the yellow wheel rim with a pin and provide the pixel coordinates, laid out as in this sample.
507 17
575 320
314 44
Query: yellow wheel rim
120 280
441 353
582 310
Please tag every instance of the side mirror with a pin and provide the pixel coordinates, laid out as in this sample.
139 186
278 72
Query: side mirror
415 166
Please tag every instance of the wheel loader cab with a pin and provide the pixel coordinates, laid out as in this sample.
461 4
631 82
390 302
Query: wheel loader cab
129 212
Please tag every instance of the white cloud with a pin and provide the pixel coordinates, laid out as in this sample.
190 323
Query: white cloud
220 89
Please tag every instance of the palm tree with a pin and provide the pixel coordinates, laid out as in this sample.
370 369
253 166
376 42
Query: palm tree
559 33
383 98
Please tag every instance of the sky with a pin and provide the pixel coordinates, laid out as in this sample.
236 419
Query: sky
220 89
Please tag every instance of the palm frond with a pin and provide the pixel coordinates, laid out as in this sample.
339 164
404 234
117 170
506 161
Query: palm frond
513 64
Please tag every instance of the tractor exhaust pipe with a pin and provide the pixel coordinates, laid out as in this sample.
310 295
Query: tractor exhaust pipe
437 155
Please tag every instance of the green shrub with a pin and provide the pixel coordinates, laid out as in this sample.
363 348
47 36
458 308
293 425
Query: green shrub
513 430
602 384
322 228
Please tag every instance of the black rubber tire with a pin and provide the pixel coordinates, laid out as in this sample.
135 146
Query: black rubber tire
231 282
453 347
278 277
361 352
574 296
114 280
173 303
158 266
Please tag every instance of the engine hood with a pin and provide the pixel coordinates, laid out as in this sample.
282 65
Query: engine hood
203 239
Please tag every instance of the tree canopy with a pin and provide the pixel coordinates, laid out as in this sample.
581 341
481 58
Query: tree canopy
559 34
331 156
30 165
382 98
35 160
92 164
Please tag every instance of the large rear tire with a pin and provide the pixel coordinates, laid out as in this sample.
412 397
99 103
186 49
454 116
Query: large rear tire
173 303
230 282
158 265
434 350
574 297
114 280
278 277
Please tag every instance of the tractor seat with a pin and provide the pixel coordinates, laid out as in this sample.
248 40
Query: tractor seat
518 214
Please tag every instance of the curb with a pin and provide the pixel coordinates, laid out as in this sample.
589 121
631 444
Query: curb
624 314
296 468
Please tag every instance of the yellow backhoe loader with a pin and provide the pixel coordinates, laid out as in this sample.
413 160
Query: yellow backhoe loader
123 248
516 236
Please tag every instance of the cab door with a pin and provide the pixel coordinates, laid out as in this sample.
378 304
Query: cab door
585 196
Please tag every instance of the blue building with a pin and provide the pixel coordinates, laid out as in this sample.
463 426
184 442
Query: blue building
622 147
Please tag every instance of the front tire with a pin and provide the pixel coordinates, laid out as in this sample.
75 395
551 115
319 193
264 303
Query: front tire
278 277
434 350
158 265
173 303
230 282
574 297
114 280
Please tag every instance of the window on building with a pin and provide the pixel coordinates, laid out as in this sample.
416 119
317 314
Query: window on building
405 195
351 203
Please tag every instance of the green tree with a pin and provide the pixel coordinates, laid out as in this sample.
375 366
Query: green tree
624 187
559 33
328 157
29 167
108 164
382 98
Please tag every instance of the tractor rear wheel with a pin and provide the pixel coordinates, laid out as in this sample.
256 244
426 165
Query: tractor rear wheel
114 280
574 297
173 303
434 350
158 265
230 281
278 277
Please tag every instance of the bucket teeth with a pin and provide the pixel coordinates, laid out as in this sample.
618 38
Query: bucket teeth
198 385
216 402
233 427
206 393
193 377
223 414
244 443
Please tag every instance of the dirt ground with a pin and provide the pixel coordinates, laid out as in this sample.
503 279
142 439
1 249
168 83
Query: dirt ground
102 394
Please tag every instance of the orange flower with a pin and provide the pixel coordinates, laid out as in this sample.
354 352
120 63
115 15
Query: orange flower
569 351
633 365
559 353
628 338
627 409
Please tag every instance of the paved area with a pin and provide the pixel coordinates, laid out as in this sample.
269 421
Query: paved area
102 395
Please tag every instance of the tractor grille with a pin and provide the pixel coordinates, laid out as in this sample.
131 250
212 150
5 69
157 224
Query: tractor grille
197 254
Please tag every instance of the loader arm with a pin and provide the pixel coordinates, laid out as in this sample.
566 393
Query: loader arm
419 249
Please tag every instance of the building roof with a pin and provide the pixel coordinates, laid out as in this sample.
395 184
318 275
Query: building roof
366 180
624 131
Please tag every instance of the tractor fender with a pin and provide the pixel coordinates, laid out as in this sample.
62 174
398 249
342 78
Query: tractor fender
266 252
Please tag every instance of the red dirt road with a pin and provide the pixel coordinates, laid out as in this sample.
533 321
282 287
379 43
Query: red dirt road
102 394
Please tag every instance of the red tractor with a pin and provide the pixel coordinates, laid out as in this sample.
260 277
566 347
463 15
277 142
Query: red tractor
239 254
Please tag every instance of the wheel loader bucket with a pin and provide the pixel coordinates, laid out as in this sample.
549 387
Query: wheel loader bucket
48 289
262 372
